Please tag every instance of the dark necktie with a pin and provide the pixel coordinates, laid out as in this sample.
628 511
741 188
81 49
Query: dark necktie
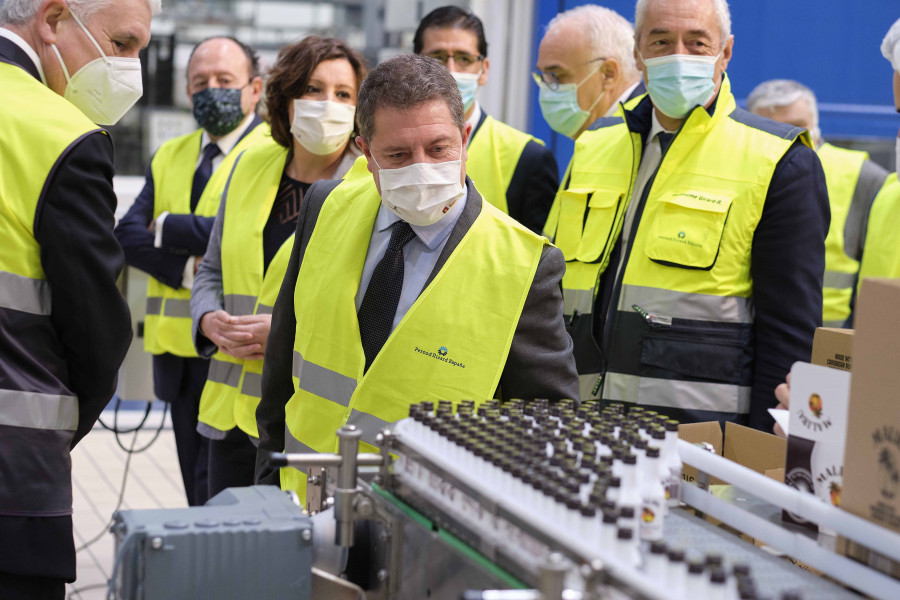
379 305
203 173
665 140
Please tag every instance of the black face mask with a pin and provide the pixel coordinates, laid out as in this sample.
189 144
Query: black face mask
218 110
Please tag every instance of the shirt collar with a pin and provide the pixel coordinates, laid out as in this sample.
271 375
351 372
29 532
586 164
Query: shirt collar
228 141
622 99
656 127
18 41
430 235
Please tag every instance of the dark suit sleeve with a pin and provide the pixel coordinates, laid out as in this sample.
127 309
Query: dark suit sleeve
540 362
787 265
82 259
533 187
137 241
277 381
186 234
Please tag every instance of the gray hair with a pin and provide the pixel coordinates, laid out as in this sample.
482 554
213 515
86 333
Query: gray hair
610 34
723 14
20 12
405 82
777 93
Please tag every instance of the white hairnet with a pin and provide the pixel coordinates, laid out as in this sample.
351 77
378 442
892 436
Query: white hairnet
890 46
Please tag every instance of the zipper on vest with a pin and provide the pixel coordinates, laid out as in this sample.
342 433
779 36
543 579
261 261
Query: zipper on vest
652 319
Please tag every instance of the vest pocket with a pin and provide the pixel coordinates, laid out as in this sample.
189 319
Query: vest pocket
687 229
712 352
586 220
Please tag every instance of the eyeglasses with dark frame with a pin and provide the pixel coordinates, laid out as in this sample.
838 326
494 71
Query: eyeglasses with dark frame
551 79
460 59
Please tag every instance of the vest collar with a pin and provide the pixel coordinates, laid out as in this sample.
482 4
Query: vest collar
12 52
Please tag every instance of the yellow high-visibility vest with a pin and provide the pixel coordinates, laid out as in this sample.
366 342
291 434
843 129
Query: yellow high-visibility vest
494 154
167 325
842 169
37 409
686 289
451 345
233 386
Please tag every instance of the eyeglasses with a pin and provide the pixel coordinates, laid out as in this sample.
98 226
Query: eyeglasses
551 79
460 59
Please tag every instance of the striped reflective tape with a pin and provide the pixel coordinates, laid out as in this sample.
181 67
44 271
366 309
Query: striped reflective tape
225 373
685 395
38 411
837 280
685 305
323 382
239 304
24 294
369 425
580 301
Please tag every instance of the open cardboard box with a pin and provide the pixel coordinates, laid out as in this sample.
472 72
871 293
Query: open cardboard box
871 487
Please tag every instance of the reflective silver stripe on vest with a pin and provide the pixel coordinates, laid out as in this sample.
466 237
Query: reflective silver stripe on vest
686 395
837 280
177 308
225 373
323 382
238 304
38 411
24 294
369 425
264 309
293 445
586 384
703 307
154 305
252 385
581 301
834 324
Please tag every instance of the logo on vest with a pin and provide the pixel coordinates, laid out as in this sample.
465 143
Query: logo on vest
681 235
441 355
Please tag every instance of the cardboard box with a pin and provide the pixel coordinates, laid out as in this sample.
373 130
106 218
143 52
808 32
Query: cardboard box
751 448
872 458
833 348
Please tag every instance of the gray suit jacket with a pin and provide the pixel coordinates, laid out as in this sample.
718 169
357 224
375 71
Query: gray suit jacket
540 362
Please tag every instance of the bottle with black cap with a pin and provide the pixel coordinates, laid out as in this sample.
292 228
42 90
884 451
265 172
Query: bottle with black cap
627 546
695 582
717 588
657 564
676 572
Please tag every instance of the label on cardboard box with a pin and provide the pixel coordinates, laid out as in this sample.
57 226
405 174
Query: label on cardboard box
833 348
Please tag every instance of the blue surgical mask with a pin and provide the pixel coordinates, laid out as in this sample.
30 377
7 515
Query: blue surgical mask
679 82
468 87
560 106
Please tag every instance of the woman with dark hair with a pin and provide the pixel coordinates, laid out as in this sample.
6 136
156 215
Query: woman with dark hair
311 101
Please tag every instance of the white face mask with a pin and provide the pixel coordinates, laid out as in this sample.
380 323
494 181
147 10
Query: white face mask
322 126
105 88
421 193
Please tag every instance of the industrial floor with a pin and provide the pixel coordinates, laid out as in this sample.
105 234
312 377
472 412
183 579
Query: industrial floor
98 465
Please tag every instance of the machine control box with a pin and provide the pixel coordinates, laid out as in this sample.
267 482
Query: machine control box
252 542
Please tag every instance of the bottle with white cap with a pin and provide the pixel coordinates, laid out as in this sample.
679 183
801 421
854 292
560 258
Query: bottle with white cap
671 462
653 498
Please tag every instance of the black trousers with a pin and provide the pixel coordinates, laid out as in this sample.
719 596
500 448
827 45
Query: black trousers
179 381
31 587
232 461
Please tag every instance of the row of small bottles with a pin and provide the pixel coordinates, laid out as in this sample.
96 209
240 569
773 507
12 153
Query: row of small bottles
590 471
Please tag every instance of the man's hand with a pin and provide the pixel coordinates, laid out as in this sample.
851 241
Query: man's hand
783 395
197 261
242 337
